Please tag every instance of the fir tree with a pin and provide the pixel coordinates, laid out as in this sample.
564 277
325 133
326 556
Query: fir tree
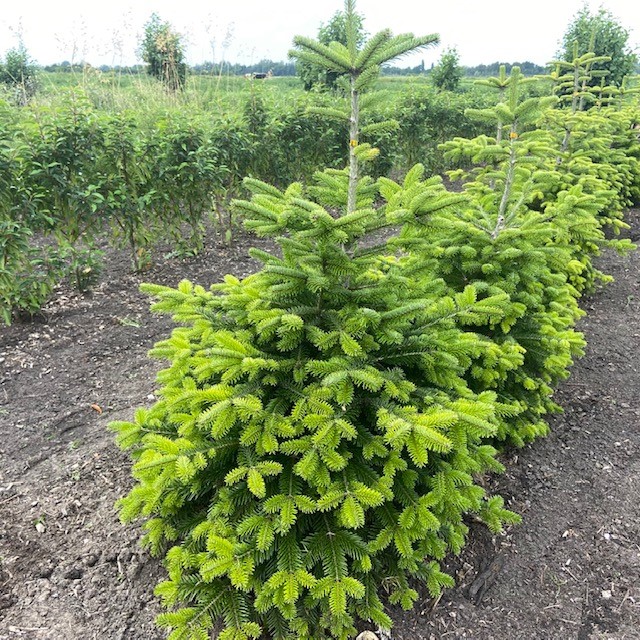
323 423
317 75
528 224
573 79
595 152
501 83
361 66
315 436
523 256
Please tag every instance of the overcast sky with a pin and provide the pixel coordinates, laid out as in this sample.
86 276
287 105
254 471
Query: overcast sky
107 31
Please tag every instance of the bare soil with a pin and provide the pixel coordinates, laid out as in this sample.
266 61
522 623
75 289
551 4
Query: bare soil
70 571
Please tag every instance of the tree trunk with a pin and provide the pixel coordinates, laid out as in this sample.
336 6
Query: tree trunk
354 123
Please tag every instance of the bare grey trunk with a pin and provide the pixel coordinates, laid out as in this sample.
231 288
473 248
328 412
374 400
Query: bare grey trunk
354 124
575 105
508 183
500 123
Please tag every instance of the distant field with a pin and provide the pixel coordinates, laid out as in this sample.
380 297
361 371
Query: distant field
112 90
226 94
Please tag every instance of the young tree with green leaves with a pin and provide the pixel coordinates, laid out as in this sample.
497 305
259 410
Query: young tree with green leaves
163 51
602 35
446 75
58 183
18 73
125 186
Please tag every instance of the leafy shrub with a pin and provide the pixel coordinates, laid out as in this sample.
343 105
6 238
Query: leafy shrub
128 194
28 274
58 185
189 175
427 119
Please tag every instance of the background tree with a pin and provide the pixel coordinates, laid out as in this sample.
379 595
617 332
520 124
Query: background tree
18 72
163 51
334 31
447 74
602 35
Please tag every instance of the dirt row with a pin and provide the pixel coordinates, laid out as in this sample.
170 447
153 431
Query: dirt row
70 571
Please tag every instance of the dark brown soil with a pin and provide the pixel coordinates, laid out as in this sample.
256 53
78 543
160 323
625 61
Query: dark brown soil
70 571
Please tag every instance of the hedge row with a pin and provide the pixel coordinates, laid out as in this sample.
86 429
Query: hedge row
82 176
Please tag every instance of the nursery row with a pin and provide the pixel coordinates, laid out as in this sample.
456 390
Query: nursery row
324 425
81 177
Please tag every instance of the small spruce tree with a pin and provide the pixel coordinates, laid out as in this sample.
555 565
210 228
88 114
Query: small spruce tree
316 75
523 256
362 67
594 151
515 230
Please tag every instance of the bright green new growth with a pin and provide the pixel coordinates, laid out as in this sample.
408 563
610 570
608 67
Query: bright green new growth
573 79
317 76
322 423
528 224
315 437
502 83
